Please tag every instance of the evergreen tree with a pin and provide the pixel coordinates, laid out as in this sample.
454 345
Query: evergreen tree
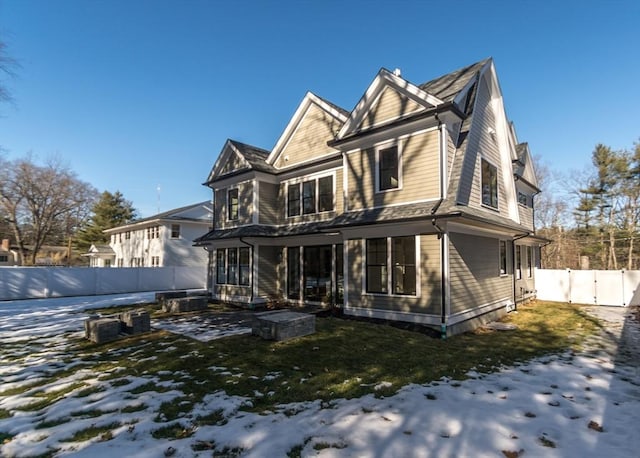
109 211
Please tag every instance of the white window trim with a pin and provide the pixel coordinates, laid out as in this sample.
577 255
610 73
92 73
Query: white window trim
492 164
390 292
377 149
506 255
315 176
228 206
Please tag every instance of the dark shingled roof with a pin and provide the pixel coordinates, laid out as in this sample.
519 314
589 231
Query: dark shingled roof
446 87
256 157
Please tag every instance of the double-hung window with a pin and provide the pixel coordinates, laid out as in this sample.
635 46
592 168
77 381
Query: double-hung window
325 194
244 265
221 266
489 180
309 197
388 162
232 204
396 255
232 266
175 231
293 199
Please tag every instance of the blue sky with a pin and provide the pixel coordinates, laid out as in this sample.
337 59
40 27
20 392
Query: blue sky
136 94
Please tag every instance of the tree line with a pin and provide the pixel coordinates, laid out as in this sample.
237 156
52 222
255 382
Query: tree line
47 204
593 217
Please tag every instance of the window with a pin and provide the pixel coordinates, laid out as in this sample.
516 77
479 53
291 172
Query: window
518 263
153 232
293 272
529 262
325 194
127 235
4 258
232 204
120 262
403 265
175 231
155 261
377 265
388 169
489 184
232 266
503 257
244 266
221 267
120 237
293 199
523 199
403 258
311 196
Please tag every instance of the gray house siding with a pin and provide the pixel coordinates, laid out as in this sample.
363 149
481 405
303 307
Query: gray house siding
475 280
429 300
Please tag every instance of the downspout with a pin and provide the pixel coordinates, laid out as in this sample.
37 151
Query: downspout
251 304
441 233
513 266
209 273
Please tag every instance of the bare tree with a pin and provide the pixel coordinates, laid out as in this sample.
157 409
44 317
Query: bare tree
41 202
7 68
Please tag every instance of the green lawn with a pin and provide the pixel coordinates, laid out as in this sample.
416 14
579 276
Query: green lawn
343 359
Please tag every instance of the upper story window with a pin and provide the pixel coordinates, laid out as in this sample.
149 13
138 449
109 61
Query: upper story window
489 174
175 231
525 199
293 199
153 232
310 196
232 204
388 168
127 235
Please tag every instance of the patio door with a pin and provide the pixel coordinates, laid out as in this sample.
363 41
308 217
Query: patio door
317 273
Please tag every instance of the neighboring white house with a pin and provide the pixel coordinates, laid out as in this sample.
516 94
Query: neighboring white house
165 239
101 256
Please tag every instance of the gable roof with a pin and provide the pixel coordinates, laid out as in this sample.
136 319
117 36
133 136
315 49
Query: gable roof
523 166
181 214
339 114
248 157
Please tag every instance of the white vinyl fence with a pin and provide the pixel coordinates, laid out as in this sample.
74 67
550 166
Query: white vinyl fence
596 287
40 282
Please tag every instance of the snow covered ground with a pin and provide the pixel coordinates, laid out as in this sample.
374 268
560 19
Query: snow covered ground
565 405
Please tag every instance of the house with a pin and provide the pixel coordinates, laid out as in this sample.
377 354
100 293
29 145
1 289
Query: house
165 239
415 206
101 256
8 256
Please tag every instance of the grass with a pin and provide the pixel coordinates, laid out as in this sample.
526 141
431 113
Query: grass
93 431
4 413
173 431
343 359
